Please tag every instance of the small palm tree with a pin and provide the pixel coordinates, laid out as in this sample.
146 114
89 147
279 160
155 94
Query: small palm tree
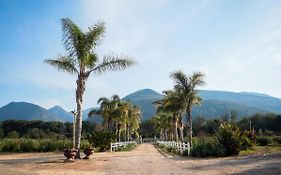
81 60
171 103
187 87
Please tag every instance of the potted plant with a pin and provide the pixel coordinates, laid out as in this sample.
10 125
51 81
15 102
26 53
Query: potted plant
70 153
88 152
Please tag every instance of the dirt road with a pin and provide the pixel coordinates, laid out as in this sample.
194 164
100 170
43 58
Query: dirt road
143 160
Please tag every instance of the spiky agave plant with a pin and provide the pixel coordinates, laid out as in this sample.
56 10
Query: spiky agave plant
81 60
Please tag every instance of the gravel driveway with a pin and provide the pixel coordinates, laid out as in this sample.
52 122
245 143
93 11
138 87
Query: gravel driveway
143 160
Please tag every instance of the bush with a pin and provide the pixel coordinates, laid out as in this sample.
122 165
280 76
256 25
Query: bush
277 139
10 145
204 147
128 147
32 145
29 145
13 134
230 137
264 140
101 139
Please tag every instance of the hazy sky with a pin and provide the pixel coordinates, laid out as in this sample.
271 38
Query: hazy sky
236 43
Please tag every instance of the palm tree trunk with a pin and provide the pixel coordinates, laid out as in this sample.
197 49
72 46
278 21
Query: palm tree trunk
81 85
175 121
180 128
128 133
189 131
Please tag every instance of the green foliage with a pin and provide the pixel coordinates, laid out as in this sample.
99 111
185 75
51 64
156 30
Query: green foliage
128 147
32 145
101 139
204 147
229 137
35 133
41 130
13 134
2 134
277 139
264 140
232 139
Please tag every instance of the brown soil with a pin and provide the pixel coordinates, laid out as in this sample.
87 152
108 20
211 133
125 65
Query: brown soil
144 159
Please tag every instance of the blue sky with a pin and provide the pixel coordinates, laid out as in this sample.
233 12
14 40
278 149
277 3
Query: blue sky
237 44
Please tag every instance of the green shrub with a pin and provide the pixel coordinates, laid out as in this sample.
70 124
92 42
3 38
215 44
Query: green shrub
13 134
128 147
205 147
10 145
229 137
264 140
277 139
85 144
246 143
101 139
29 145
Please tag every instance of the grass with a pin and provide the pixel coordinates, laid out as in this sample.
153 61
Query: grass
261 150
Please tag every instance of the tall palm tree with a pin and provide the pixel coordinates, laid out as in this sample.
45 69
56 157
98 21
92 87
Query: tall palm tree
81 60
187 87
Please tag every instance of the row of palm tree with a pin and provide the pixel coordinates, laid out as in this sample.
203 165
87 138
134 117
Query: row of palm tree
119 117
82 60
176 103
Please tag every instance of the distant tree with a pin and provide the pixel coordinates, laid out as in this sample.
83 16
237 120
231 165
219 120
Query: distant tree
13 134
82 60
2 134
187 87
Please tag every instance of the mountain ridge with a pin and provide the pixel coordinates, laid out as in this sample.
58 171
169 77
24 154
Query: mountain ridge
215 104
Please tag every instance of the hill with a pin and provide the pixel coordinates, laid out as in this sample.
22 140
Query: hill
25 111
215 103
144 99
61 114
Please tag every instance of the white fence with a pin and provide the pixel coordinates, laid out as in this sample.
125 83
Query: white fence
180 146
114 146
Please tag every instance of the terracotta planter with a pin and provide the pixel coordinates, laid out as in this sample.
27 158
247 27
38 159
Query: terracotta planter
70 153
88 152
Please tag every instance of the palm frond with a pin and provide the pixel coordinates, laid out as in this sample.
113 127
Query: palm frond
114 63
65 64
72 37
197 79
90 60
95 35
180 78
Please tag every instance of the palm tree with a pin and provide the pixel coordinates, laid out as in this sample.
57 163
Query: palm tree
81 60
106 110
133 121
171 103
187 87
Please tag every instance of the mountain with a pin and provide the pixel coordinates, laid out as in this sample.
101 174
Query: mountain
215 103
261 102
25 111
95 118
144 99
61 114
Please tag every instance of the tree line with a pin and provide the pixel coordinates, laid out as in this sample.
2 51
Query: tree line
42 130
122 118
262 124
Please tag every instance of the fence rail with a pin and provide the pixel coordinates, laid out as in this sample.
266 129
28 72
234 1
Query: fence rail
114 146
180 146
